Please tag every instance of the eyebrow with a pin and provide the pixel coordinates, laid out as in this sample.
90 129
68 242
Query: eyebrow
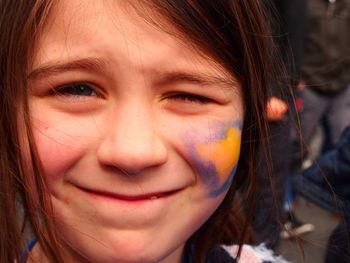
87 64
93 64
198 79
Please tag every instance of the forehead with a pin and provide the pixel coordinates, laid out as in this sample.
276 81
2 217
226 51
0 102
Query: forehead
117 31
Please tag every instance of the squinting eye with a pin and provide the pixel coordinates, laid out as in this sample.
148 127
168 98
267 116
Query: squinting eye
192 98
75 90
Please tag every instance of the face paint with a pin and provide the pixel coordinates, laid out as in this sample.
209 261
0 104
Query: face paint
217 158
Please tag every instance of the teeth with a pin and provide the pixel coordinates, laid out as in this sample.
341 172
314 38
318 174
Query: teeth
154 197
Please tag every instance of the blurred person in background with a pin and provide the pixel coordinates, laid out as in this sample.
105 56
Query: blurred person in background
326 70
325 88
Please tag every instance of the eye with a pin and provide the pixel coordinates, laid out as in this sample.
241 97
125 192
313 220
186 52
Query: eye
190 98
75 90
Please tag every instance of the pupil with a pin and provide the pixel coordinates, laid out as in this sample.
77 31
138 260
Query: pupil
83 90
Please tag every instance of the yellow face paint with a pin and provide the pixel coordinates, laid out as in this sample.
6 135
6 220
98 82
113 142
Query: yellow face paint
223 154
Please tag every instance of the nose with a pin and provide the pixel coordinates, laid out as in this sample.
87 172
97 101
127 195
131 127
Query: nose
130 141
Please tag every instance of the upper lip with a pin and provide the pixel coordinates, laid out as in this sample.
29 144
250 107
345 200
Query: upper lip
143 196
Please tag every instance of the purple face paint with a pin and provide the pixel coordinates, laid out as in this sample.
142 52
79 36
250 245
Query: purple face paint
215 156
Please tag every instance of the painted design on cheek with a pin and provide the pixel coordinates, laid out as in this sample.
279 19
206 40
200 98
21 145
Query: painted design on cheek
218 159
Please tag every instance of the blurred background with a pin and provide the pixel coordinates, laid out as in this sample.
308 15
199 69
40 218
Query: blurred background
309 135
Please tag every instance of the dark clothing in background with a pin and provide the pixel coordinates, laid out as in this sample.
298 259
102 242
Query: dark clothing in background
289 36
335 109
326 69
269 213
327 53
293 15
327 183
338 247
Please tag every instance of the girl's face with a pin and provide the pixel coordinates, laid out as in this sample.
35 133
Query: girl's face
138 134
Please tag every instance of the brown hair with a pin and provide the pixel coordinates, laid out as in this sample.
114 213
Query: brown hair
234 33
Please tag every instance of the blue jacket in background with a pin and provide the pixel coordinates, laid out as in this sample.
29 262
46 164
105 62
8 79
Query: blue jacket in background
327 182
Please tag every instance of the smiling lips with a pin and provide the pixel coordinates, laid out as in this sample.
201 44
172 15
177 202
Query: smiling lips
143 197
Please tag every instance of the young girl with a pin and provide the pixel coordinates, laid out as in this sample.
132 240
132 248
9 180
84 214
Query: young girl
122 123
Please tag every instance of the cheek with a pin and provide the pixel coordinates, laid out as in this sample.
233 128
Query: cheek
215 158
59 146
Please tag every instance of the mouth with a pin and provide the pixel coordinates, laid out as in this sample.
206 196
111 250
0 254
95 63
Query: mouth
131 198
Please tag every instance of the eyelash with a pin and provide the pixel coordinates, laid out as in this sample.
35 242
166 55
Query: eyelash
188 97
75 90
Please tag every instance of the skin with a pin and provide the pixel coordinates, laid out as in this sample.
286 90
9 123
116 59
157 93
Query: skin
109 123
276 109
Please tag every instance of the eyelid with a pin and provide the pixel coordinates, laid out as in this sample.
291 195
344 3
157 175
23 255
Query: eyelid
45 85
189 97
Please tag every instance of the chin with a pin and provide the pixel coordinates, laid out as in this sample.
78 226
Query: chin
125 249
131 256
